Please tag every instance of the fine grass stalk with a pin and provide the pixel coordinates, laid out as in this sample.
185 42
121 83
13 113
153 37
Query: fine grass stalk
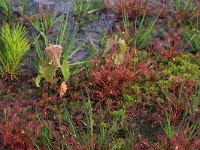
88 123
6 7
72 125
144 35
167 127
89 118
81 7
192 35
126 21
47 138
193 128
196 100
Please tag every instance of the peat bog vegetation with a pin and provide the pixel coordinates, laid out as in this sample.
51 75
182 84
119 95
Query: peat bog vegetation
100 74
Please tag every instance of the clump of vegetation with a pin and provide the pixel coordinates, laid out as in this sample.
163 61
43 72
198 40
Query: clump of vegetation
111 79
48 70
133 8
174 46
185 10
43 20
15 45
186 66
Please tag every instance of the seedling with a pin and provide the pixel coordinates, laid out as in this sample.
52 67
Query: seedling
15 46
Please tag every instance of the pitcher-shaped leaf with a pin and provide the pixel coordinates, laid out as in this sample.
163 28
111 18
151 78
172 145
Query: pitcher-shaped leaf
53 53
123 46
118 58
48 71
65 70
38 79
109 45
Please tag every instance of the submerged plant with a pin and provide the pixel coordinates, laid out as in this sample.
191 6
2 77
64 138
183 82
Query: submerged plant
15 46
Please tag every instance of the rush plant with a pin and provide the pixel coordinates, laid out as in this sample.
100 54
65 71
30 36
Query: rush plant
6 7
192 34
185 10
44 20
167 127
140 34
83 8
24 4
63 37
15 46
144 33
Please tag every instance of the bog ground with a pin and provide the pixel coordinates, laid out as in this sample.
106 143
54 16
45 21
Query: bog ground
99 75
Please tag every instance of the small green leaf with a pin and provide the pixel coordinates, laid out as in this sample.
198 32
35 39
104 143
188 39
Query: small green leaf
48 71
123 46
92 11
118 59
65 70
109 45
38 79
